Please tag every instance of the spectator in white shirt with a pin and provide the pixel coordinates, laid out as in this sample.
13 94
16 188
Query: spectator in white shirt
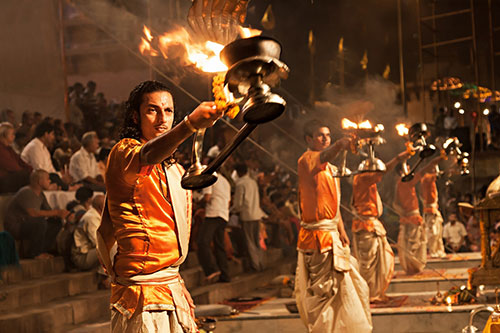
83 165
454 233
218 199
83 252
247 204
36 153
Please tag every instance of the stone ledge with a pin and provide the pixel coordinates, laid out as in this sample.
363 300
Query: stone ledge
239 285
45 290
56 315
29 269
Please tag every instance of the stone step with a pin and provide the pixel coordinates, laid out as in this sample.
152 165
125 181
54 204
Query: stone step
427 280
272 316
194 277
242 284
47 289
29 269
457 260
97 327
57 315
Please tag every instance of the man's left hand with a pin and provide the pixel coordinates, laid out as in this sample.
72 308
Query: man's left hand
344 239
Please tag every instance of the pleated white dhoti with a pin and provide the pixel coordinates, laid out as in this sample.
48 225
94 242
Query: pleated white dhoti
434 230
375 258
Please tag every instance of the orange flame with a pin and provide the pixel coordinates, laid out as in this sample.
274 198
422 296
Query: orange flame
347 124
249 32
205 56
365 125
402 129
147 33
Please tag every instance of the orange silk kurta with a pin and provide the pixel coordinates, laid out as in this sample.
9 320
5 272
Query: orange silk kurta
366 200
407 202
429 193
144 226
318 200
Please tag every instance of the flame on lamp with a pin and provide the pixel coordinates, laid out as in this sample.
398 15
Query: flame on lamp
365 125
249 32
205 56
402 129
347 124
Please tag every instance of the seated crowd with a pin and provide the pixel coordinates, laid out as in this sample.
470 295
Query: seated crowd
252 207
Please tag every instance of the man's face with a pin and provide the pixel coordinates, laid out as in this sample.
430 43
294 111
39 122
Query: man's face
45 181
93 145
452 218
49 138
320 139
157 114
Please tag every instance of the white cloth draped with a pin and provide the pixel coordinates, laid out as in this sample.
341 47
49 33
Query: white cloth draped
375 258
331 295
434 230
412 248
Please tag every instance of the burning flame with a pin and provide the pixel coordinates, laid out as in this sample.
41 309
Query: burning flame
204 56
145 46
347 124
365 124
249 32
147 33
402 129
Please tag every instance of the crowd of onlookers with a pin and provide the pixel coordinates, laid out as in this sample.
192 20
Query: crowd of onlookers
251 208
42 154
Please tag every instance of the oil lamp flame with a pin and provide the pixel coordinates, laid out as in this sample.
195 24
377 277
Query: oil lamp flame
402 129
249 32
205 56
365 125
347 124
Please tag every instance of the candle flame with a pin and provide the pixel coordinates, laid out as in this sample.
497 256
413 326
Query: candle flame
205 56
249 32
402 129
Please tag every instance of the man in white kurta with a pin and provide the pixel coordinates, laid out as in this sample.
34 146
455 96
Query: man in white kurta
331 295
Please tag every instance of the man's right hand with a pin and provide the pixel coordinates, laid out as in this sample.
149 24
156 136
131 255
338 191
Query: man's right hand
205 115
343 143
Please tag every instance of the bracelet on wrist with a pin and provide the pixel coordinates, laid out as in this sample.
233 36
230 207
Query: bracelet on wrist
189 124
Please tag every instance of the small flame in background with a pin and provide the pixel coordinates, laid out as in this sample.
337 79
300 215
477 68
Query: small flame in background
205 56
347 124
364 125
402 129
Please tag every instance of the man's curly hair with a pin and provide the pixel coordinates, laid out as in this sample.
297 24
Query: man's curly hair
131 127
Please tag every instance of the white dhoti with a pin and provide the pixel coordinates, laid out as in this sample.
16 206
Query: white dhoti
146 322
176 318
412 248
331 295
375 258
434 230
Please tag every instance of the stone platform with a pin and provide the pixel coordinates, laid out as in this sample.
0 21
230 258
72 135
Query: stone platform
413 314
39 296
